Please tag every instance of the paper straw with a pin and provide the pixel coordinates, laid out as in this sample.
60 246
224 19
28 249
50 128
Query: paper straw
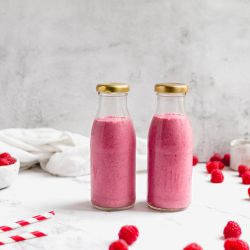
21 237
22 223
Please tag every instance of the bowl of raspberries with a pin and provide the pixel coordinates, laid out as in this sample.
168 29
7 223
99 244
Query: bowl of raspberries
9 168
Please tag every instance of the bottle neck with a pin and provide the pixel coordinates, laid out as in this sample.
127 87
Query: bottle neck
112 104
170 103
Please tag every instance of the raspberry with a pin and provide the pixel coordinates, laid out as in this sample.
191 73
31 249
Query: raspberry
5 155
129 234
221 165
246 178
235 244
242 169
11 160
226 159
4 162
249 192
118 245
232 230
193 246
211 165
6 159
216 157
195 160
217 176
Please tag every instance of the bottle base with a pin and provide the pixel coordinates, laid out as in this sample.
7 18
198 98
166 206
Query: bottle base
166 209
111 209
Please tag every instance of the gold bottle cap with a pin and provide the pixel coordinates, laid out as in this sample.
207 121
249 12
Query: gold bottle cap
172 88
112 88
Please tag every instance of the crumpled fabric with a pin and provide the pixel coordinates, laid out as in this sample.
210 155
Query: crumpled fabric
59 153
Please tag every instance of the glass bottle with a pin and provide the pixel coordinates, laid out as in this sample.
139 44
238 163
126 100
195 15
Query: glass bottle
170 149
113 150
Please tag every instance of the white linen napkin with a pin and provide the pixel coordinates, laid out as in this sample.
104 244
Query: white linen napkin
58 152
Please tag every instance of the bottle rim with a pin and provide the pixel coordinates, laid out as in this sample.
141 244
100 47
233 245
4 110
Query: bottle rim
112 88
171 88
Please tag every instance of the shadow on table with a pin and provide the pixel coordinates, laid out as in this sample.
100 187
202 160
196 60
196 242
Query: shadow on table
79 206
246 199
142 206
86 206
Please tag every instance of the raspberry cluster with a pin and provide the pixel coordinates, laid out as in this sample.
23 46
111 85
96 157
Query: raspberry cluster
215 165
232 233
244 173
127 236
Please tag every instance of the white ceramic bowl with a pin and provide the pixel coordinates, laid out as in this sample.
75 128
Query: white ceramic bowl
240 153
8 174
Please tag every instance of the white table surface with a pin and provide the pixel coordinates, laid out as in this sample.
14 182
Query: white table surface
78 226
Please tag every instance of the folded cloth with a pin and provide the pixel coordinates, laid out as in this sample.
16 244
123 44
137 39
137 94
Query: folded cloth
58 152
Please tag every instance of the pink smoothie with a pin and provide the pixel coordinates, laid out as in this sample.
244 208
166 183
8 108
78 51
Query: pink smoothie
169 162
113 162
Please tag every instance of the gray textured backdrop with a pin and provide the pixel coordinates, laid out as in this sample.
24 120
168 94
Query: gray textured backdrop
53 52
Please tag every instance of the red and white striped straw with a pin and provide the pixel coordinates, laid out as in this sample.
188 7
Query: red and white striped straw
22 223
21 237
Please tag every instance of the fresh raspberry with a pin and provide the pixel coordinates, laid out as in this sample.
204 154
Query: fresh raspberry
217 176
5 155
246 178
6 159
12 160
242 169
226 159
232 230
195 160
249 192
211 165
221 165
129 233
235 244
216 157
4 162
118 245
193 246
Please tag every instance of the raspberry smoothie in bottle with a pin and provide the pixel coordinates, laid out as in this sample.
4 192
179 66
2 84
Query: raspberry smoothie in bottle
113 150
170 151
